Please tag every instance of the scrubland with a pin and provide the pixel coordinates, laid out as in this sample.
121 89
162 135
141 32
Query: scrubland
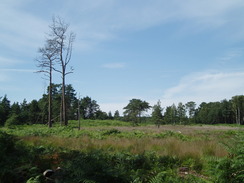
115 151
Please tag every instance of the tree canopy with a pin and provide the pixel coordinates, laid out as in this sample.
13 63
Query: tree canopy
135 108
157 115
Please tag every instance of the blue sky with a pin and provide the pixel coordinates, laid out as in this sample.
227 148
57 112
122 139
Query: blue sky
173 51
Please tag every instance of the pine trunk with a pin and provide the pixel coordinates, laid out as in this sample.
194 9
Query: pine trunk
50 100
64 102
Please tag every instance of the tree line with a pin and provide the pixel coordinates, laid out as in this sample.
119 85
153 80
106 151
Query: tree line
225 111
36 112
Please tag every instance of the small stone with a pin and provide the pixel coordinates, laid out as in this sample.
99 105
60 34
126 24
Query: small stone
48 173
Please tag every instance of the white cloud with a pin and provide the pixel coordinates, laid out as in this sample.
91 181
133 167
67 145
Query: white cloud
113 107
144 14
205 87
231 55
114 65
102 20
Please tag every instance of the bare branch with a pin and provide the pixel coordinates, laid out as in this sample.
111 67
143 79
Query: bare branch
57 70
58 51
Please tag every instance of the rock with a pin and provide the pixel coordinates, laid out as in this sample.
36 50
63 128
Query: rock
53 175
48 173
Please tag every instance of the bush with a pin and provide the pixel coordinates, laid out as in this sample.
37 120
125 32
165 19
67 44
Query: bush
8 158
111 132
17 161
99 166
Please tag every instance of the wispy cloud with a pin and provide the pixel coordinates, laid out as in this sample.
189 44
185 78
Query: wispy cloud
18 70
20 30
103 20
205 87
6 75
114 65
231 55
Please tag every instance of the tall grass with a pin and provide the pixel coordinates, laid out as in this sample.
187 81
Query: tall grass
145 147
167 146
123 138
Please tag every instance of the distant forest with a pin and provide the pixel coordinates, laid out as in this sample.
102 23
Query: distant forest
36 112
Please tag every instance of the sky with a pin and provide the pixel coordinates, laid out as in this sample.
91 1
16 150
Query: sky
173 51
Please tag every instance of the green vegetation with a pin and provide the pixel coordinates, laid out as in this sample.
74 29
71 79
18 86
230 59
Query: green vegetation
134 110
36 112
103 148
157 115
113 151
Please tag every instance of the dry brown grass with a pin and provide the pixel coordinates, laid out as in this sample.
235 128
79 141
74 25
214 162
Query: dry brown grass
166 146
203 141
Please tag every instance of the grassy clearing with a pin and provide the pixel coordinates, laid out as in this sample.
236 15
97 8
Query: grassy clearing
146 148
116 136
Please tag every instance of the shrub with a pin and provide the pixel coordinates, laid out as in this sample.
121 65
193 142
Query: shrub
111 132
17 161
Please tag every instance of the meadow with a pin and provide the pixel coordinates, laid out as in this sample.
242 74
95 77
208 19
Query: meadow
115 151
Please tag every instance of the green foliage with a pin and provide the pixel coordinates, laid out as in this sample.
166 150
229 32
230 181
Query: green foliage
238 108
230 169
111 132
92 166
157 116
116 115
166 176
4 109
14 160
172 134
13 120
37 179
170 115
89 108
34 112
134 110
21 163
194 163
100 123
97 166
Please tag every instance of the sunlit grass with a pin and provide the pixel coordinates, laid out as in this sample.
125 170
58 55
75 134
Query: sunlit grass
196 147
116 136
167 146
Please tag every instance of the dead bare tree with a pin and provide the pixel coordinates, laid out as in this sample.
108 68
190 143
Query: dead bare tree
63 43
45 62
